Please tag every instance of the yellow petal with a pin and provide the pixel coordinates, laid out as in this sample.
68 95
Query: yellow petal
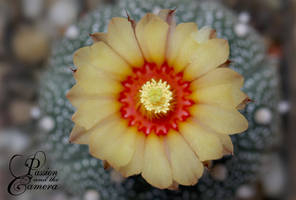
98 37
91 112
181 45
207 56
101 57
186 167
103 136
205 143
243 104
227 143
225 95
140 35
204 34
121 38
79 135
167 15
136 164
151 32
94 81
122 149
78 95
220 119
156 169
217 77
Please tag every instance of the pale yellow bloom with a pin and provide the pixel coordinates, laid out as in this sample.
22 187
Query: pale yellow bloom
152 98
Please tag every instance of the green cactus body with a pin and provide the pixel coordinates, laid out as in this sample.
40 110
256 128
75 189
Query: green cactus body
80 171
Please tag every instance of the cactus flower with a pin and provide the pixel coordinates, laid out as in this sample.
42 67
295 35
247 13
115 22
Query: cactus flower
157 99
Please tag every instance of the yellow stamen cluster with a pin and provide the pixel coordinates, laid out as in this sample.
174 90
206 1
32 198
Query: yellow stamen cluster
156 96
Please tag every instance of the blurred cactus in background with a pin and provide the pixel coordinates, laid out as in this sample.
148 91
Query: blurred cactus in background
81 172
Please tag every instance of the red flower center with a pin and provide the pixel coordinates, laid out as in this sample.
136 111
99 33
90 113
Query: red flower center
135 113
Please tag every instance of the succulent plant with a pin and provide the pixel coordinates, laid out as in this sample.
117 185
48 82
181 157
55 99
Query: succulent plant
80 172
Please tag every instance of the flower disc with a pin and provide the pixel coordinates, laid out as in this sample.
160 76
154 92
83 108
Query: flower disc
144 120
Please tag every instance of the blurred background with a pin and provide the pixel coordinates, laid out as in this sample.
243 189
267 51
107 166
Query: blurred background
27 29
